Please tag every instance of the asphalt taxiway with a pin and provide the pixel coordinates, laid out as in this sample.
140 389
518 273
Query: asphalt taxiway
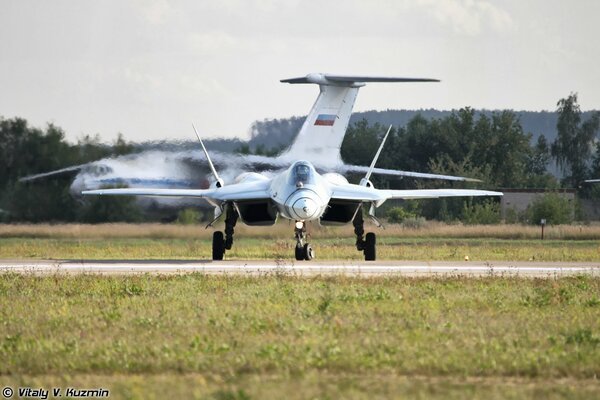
308 268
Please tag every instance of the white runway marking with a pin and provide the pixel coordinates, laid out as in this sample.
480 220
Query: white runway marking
310 268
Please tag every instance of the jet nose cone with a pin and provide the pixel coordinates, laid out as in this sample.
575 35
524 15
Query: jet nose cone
304 208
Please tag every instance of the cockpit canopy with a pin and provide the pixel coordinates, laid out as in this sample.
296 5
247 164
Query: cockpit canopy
302 173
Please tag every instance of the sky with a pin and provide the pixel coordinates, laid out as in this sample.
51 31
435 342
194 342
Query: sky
149 68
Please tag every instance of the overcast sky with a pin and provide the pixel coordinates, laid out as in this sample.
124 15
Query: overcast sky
149 68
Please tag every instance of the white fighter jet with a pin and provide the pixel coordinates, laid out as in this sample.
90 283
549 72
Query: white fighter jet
300 194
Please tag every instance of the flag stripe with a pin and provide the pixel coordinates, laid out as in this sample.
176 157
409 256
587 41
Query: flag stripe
325 119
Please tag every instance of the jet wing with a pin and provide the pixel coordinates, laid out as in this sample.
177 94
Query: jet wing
366 194
61 171
437 193
200 193
235 192
393 172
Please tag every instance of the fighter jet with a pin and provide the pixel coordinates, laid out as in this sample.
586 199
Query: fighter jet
299 193
318 141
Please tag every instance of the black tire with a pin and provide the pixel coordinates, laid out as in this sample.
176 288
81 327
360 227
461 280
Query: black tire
299 253
218 246
370 252
308 251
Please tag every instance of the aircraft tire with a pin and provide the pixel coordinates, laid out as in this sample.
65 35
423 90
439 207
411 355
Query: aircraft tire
370 253
299 253
308 251
218 246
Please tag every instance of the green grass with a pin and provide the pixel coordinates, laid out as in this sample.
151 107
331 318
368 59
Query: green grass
389 248
232 337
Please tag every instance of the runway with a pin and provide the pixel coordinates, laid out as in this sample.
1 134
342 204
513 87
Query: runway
302 268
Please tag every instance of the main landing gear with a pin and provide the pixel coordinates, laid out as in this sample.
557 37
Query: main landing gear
366 245
303 251
220 243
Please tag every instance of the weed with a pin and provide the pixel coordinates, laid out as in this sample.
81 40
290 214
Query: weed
132 289
582 336
593 302
325 303
230 395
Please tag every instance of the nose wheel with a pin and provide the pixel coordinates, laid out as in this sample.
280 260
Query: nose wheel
303 251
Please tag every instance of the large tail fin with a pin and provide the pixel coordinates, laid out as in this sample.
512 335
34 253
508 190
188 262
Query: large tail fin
321 135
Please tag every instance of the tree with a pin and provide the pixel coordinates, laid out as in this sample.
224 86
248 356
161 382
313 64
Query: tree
540 157
98 209
537 172
552 207
573 145
121 146
361 143
26 150
494 149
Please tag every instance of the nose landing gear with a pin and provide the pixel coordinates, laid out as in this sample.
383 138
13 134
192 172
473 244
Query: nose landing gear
303 251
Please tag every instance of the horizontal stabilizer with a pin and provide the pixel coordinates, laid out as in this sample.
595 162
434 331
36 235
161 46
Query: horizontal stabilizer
350 80
363 78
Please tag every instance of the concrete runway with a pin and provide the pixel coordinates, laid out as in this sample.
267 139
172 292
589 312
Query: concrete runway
305 268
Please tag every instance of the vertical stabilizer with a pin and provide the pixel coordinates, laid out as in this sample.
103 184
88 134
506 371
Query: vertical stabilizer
321 135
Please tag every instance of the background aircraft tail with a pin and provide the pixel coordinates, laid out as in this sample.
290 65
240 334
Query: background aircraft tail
322 133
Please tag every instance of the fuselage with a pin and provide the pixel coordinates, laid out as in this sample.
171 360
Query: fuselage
300 193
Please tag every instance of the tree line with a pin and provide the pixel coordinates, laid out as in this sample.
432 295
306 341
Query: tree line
492 147
27 150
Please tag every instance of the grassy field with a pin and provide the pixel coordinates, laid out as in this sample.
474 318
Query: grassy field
434 242
285 230
388 248
219 337
273 336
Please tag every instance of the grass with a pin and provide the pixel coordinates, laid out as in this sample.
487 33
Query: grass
284 230
435 241
245 248
233 337
279 335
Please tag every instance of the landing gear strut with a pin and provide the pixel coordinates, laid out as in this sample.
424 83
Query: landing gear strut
220 243
303 251
366 245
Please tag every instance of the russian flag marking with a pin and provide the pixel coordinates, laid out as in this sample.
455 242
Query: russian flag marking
325 119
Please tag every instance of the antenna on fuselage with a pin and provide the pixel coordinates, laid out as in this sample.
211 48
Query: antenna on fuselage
219 182
365 181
